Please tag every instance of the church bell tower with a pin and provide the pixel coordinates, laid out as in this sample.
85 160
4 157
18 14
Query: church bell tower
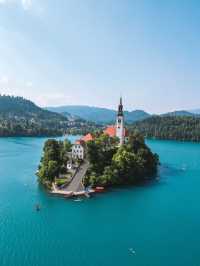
120 123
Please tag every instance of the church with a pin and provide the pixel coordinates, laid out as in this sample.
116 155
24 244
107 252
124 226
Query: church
118 130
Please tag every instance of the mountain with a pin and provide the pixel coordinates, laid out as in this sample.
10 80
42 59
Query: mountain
195 111
136 115
21 117
184 128
11 106
179 113
97 114
72 118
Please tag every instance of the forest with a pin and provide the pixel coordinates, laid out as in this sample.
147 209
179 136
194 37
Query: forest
111 165
183 128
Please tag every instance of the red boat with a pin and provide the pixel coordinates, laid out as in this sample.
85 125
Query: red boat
99 189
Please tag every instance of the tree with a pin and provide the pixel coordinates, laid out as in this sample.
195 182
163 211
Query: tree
53 161
67 145
110 165
51 151
53 170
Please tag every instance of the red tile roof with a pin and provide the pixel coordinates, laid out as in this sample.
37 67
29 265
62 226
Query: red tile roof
110 131
87 137
84 139
79 142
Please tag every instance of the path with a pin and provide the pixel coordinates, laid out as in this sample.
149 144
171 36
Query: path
76 184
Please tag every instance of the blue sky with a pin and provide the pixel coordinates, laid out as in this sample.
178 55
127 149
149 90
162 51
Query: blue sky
89 52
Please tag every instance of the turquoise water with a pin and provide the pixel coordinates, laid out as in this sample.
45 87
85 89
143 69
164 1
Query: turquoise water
159 221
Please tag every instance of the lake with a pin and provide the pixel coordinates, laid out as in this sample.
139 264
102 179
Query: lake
157 224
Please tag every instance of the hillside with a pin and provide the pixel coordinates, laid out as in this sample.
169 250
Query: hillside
184 128
179 113
18 106
97 114
21 117
71 117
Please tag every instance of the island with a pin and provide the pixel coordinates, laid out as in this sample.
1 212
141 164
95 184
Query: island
110 157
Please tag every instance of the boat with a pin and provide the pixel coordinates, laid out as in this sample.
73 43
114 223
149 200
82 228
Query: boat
99 189
37 207
78 200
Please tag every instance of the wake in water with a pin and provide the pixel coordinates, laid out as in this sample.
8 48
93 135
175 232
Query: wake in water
78 200
184 167
132 251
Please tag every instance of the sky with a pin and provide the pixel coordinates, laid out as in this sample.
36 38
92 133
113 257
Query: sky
89 52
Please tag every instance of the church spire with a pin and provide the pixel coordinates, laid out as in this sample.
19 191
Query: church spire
120 108
120 130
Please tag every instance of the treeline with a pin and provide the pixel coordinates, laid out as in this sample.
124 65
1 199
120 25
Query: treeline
183 128
83 129
23 126
11 127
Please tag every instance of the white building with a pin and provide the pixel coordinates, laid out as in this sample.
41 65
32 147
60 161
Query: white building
78 150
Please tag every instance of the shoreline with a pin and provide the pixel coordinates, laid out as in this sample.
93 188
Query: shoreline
69 194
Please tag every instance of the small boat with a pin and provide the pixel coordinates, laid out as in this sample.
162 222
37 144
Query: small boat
78 200
99 189
37 207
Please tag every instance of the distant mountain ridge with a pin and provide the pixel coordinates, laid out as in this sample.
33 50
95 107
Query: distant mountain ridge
18 106
179 113
99 115
21 117
195 111
105 115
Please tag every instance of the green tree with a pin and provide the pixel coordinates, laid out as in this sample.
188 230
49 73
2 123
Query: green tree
110 165
53 161
53 170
